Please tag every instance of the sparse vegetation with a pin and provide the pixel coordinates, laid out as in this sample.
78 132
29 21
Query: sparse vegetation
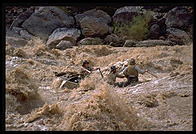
137 29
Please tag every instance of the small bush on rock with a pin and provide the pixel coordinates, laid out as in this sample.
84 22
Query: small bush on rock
137 29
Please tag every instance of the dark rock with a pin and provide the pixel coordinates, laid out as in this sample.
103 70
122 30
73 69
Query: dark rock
178 36
12 12
161 9
113 40
124 15
157 28
44 20
93 27
162 25
154 31
22 17
59 34
179 17
99 14
157 15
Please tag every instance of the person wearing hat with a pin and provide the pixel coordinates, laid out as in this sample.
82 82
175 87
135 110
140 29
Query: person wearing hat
111 77
86 70
131 72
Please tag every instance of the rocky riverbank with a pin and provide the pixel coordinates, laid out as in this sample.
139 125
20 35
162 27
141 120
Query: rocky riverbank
44 40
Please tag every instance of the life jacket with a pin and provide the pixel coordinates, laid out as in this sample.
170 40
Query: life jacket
131 71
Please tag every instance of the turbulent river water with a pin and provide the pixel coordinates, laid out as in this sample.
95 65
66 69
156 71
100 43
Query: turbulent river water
35 103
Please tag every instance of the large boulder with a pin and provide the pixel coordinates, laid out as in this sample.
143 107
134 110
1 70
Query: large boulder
179 17
178 36
99 14
157 28
93 27
59 34
44 20
94 23
125 14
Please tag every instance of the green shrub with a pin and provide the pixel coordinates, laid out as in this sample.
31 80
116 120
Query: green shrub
137 29
120 29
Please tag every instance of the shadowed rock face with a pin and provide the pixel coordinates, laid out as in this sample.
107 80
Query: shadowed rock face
46 19
178 36
179 17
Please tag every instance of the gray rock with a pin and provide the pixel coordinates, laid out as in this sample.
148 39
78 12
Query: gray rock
19 33
114 40
44 20
26 35
67 34
151 43
64 45
93 27
154 31
179 17
16 41
178 36
130 43
125 14
91 41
